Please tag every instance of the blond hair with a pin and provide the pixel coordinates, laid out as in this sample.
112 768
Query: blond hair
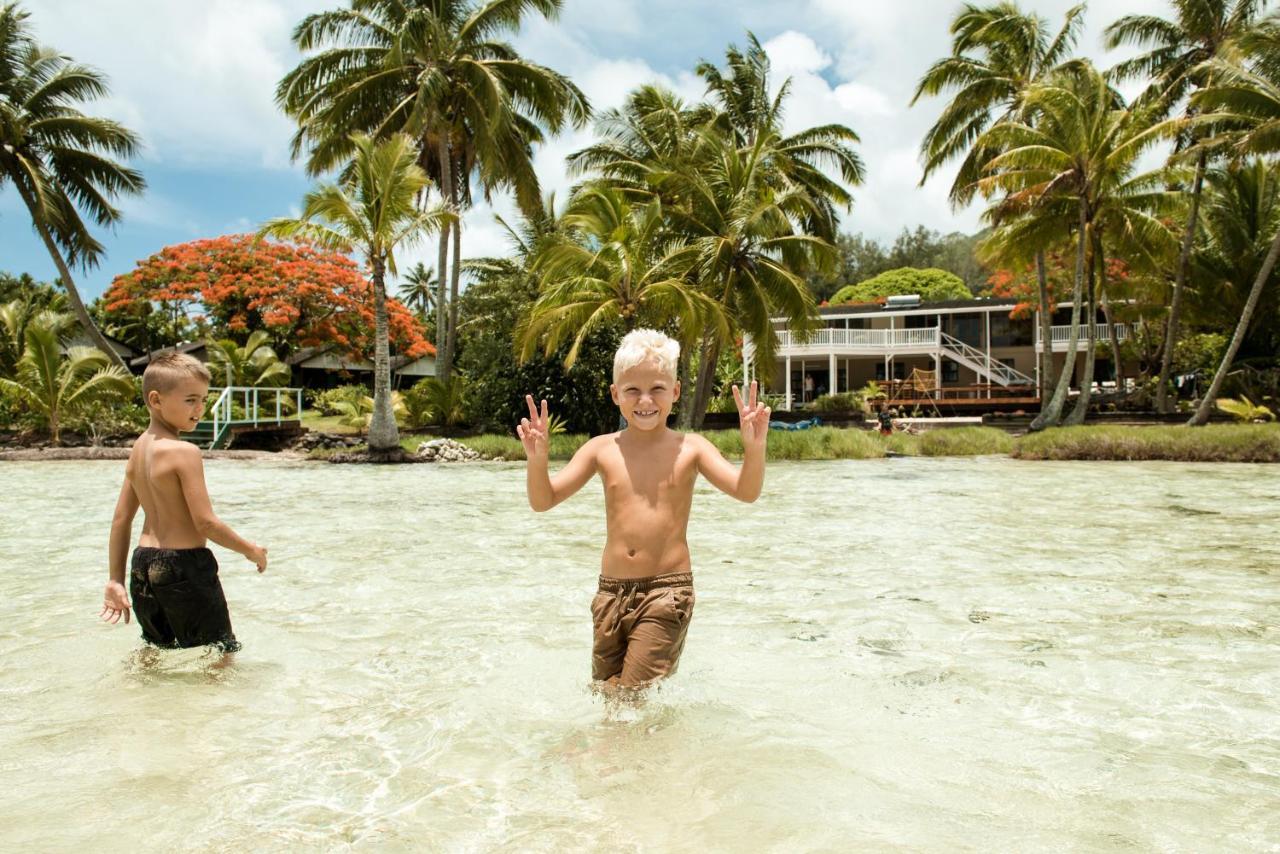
646 345
168 369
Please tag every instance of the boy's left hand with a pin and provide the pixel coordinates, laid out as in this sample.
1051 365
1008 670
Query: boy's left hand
753 417
115 603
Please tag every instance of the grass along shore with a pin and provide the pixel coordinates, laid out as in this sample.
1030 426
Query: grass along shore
1252 443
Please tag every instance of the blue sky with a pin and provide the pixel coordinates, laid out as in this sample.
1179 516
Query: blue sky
196 79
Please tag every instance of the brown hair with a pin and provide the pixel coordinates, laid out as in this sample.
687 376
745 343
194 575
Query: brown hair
168 369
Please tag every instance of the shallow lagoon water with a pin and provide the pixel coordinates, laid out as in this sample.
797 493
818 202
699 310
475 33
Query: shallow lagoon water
892 655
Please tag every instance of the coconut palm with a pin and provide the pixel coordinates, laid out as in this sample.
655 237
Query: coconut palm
15 317
998 53
373 210
747 112
1079 156
253 363
1240 216
57 388
615 263
1176 64
64 164
418 290
752 250
433 69
1241 109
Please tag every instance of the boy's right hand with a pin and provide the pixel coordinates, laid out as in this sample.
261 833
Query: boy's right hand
533 431
258 555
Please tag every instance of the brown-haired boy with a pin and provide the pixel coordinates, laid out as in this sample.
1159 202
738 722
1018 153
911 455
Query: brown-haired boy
174 579
645 601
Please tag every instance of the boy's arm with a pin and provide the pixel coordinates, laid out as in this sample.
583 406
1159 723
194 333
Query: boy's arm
190 469
743 483
115 599
544 490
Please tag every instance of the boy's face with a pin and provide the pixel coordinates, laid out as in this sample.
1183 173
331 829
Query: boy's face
645 394
182 406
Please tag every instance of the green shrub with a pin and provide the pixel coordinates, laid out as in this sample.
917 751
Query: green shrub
327 401
932 284
1241 443
561 446
845 401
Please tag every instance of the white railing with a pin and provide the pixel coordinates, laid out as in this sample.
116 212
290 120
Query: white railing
984 364
873 340
1060 336
254 408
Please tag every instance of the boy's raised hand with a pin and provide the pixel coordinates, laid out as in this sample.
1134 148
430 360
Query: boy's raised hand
115 603
753 417
533 431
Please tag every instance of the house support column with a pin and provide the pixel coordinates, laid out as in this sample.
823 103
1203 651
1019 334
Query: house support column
788 392
833 385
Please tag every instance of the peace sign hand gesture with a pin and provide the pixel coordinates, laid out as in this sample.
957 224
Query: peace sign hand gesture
533 431
753 418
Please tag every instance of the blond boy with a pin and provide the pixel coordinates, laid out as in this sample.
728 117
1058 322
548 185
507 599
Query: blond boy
174 579
641 613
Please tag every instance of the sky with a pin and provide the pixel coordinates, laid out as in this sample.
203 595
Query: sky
196 81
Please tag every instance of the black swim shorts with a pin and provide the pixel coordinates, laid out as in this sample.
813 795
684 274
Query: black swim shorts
178 599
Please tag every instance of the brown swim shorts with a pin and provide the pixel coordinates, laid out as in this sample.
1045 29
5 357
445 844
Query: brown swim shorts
640 624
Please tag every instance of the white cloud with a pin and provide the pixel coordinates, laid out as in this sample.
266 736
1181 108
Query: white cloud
196 80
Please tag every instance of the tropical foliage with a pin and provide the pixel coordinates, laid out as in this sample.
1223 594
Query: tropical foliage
373 210
64 164
932 285
300 294
55 388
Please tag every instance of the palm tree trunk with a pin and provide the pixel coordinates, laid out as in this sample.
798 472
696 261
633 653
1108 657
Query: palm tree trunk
1051 414
384 437
444 363
1242 327
709 356
1081 408
69 283
685 419
451 343
1046 326
1163 403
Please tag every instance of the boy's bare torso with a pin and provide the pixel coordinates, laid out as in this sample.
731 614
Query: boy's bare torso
152 472
648 489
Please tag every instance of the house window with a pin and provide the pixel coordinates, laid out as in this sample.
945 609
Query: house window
920 321
1006 332
950 371
968 328
899 371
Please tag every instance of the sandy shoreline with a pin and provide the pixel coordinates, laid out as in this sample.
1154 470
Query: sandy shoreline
98 453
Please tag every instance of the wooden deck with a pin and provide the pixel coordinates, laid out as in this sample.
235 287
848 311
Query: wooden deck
959 400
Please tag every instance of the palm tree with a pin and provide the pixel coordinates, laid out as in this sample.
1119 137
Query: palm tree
1079 156
373 210
58 388
61 161
1240 215
1176 64
432 69
253 363
418 293
746 112
752 252
998 54
15 317
1241 114
615 263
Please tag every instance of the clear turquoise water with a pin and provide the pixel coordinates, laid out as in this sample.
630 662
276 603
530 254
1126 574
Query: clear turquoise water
898 655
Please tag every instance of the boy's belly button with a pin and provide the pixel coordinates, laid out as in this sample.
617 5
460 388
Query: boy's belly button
631 552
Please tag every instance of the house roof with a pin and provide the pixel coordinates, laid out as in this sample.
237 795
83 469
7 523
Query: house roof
308 353
950 305
191 348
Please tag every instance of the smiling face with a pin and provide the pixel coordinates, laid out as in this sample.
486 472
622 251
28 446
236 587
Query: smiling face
180 407
645 394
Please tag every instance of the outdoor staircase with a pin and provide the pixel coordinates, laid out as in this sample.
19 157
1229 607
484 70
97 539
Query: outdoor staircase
974 359
239 409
